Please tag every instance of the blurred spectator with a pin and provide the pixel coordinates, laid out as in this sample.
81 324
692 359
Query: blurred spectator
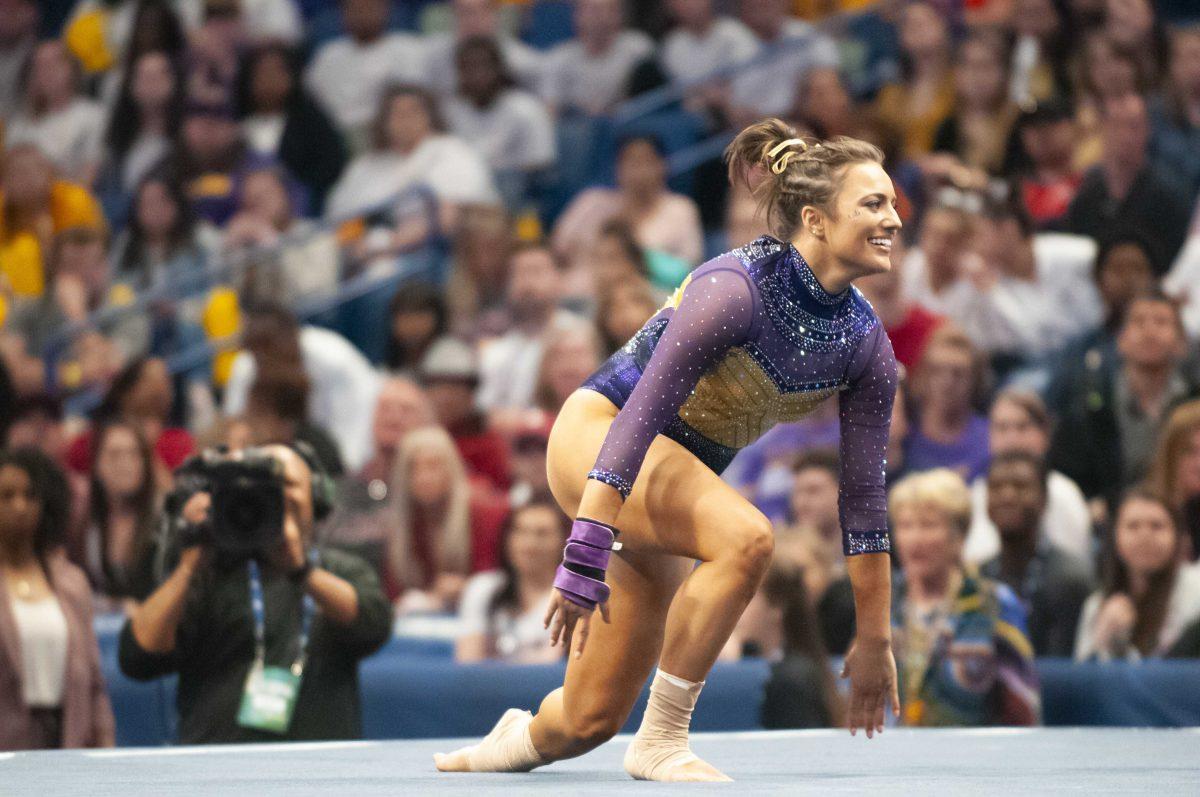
282 122
1053 583
483 241
794 47
925 95
197 623
450 375
444 528
1043 30
701 41
1183 281
124 499
824 105
801 691
36 421
18 37
660 219
947 432
979 131
508 126
500 616
142 394
55 694
1018 421
589 73
410 150
286 259
400 408
1149 595
812 509
477 19
1133 29
962 653
1175 115
348 74
622 310
145 122
1175 471
162 245
528 462
616 258
508 365
571 355
34 207
277 413
1111 417
908 324
110 37
215 49
1102 72
417 318
344 384
213 161
1125 193
57 116
1050 179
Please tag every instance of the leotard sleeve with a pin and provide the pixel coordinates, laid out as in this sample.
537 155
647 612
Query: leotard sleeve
865 410
716 311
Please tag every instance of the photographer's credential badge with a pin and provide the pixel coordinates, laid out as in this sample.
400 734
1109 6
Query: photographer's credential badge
269 697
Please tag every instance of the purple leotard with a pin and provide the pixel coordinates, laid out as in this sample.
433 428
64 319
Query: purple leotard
749 340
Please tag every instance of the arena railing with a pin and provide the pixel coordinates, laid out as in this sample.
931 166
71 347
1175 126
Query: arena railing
233 270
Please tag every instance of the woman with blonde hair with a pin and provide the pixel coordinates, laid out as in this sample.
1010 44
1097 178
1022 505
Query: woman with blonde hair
1175 471
442 528
755 337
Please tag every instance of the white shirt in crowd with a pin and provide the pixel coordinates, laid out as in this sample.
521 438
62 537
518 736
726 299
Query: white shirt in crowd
1183 282
344 388
72 138
446 164
523 62
687 56
1020 316
574 79
144 153
519 639
348 78
770 88
1183 609
509 365
42 631
1066 522
514 133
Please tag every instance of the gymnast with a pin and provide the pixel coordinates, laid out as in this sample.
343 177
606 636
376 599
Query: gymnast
755 337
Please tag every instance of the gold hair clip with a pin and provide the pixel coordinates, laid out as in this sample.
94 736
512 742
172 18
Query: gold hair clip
781 162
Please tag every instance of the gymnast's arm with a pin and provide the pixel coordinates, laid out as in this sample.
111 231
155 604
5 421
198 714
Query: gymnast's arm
866 413
716 312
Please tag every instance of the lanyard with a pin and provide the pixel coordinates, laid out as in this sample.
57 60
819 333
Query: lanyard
256 607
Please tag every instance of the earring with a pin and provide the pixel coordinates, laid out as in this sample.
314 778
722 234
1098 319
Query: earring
814 231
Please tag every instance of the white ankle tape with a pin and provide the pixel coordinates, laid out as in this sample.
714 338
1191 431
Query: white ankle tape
661 742
508 748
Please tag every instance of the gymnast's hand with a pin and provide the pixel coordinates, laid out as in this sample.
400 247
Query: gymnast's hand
871 668
566 615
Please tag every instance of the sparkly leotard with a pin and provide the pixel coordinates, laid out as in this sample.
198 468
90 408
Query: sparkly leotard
749 340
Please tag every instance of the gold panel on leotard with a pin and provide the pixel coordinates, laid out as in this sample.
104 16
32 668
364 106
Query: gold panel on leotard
735 402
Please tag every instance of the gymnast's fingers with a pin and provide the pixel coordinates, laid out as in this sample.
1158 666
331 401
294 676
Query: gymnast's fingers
584 625
551 610
569 628
895 698
557 629
604 611
877 720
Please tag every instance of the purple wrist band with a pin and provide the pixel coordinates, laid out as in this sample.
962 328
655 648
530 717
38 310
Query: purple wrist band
589 547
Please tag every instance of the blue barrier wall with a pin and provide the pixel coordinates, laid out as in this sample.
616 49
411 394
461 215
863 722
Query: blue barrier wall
411 690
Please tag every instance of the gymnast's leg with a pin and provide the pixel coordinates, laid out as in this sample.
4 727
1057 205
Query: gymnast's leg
678 508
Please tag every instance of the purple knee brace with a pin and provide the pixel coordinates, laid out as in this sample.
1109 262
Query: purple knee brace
580 577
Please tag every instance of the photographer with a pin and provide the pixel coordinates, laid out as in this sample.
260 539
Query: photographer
266 643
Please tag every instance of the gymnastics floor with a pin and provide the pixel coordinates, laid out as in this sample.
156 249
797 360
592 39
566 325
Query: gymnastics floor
905 762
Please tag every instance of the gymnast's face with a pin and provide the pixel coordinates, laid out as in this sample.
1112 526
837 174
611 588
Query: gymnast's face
864 223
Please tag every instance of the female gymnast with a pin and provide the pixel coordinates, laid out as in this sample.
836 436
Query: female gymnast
758 336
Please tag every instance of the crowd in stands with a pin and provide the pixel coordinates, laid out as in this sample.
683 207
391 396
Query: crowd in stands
194 193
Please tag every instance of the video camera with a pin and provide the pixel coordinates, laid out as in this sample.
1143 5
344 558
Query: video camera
246 515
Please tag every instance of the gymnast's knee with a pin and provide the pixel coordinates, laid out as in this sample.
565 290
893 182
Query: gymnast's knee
587 730
752 546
